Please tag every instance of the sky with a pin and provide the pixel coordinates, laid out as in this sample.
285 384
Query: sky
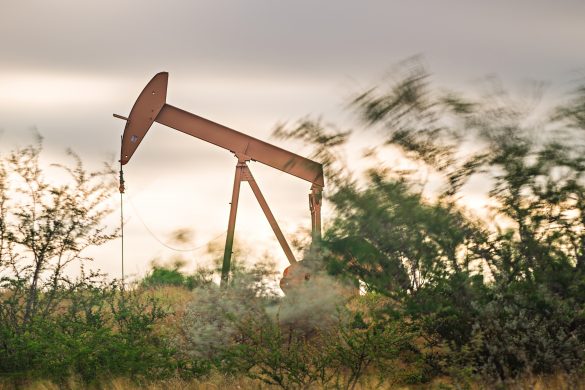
67 65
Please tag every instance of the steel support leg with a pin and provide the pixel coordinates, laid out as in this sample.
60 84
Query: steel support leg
315 205
275 228
229 241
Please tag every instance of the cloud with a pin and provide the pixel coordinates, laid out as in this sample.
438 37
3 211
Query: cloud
67 65
301 37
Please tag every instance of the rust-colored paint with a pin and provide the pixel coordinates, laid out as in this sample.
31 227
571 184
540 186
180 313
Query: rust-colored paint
151 107
143 114
293 277
241 144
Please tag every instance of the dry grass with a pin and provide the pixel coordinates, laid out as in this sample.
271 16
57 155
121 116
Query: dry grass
177 298
173 298
216 382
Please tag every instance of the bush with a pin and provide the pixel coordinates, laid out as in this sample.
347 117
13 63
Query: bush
99 331
526 330
339 354
51 324
171 275
210 324
498 294
162 276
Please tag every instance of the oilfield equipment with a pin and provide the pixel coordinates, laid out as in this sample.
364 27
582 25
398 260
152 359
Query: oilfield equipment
151 106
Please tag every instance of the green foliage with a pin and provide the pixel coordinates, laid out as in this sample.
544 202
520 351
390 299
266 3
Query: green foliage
100 331
358 344
161 276
306 339
527 329
210 324
447 292
391 239
171 275
501 295
51 324
280 357
44 227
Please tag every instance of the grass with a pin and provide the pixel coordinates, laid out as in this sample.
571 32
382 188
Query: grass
216 382
213 383
176 299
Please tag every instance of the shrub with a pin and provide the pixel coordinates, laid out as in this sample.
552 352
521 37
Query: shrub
53 325
526 330
163 276
99 331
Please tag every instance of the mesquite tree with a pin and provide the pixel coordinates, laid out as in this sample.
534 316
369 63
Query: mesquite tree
45 226
502 289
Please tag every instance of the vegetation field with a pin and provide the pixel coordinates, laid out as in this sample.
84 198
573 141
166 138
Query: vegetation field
413 285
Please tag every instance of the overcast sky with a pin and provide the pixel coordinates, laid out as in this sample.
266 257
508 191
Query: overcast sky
66 66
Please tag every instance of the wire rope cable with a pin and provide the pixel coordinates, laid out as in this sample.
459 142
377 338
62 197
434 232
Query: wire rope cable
153 235
121 189
122 232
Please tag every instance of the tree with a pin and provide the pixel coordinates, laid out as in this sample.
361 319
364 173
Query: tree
52 324
44 227
454 273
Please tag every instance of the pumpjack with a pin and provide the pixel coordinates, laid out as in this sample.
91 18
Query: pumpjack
151 106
